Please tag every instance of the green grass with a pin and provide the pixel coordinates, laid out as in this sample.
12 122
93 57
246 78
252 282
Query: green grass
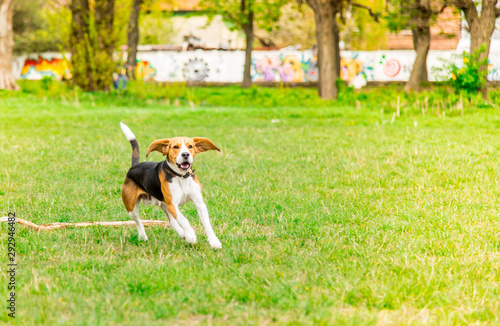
331 215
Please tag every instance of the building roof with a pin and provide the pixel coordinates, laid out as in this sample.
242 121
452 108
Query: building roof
179 5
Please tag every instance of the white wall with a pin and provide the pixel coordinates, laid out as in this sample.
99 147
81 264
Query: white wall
227 66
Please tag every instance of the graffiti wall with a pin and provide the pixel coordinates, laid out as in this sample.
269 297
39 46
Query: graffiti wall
210 66
144 70
287 67
357 67
47 65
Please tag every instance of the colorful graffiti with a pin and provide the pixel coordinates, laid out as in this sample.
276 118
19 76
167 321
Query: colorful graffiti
292 69
311 69
350 68
41 67
357 67
392 68
59 69
144 70
288 69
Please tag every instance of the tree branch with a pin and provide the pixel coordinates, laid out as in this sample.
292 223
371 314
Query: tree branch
374 15
231 17
312 3
497 12
265 42
461 4
227 16
443 8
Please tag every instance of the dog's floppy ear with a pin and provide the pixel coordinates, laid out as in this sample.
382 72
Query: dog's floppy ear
204 144
159 145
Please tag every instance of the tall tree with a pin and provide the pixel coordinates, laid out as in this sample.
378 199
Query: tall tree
133 34
104 12
481 26
7 80
81 45
421 34
245 14
92 43
328 38
247 23
417 15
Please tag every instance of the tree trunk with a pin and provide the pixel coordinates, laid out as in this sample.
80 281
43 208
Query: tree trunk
327 35
106 43
422 42
481 28
248 29
7 80
81 46
133 36
92 44
336 44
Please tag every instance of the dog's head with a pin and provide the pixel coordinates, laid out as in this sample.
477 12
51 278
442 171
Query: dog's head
180 151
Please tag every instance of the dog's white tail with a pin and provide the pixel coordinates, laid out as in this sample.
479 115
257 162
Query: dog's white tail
133 141
128 133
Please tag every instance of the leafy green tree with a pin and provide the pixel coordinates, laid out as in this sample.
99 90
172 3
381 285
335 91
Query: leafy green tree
417 15
92 44
244 15
328 38
151 27
295 26
133 33
326 13
40 26
481 17
156 26
358 30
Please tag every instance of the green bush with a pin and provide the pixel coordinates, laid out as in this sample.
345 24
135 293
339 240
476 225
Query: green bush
469 78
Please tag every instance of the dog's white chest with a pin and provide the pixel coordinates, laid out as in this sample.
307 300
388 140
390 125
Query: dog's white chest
182 190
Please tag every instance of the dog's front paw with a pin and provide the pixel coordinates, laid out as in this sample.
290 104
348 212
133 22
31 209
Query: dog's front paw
143 237
190 237
215 243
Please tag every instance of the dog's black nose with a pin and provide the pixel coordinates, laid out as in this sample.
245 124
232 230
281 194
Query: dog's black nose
185 155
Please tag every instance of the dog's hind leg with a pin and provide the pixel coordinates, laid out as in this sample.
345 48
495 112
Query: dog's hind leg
134 214
131 194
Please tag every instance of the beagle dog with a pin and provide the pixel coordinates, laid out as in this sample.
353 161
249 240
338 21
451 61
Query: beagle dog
169 184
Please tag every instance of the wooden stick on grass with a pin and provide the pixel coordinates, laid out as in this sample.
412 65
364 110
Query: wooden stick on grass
54 226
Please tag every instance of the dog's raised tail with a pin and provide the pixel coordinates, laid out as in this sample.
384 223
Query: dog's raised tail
133 141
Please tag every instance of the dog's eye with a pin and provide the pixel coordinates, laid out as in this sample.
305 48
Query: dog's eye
190 146
176 147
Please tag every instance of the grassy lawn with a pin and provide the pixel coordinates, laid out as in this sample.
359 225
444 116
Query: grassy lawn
329 215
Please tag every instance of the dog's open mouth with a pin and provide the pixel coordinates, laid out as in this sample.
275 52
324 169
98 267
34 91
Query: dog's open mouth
184 166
